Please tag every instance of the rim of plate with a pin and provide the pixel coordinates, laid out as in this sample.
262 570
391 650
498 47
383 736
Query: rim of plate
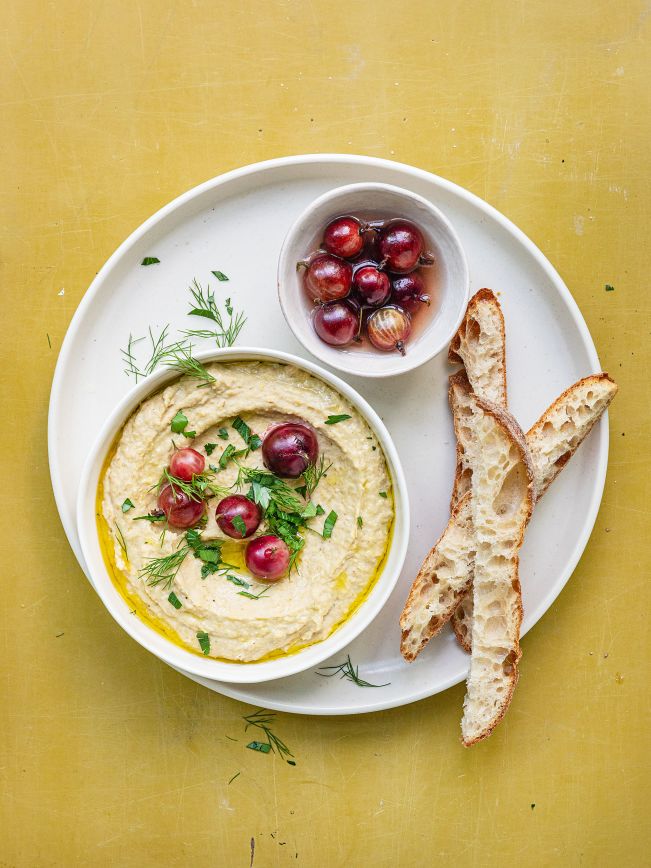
333 159
210 667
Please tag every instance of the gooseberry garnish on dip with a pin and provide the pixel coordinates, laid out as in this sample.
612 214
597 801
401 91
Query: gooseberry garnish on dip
267 557
238 516
186 463
289 448
180 508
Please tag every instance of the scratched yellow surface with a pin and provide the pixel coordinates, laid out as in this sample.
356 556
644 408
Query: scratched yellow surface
109 110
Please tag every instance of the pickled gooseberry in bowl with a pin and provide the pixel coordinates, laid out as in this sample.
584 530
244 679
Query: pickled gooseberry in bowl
370 281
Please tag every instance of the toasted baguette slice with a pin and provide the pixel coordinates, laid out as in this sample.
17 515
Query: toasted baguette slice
442 581
502 498
552 441
479 345
446 574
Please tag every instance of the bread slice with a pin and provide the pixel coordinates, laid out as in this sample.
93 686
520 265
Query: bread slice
479 345
446 575
552 441
443 579
502 498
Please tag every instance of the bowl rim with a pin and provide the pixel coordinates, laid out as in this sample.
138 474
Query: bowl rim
164 649
347 364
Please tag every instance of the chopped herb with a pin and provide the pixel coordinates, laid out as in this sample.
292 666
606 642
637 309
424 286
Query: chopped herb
251 440
257 596
261 746
236 580
127 505
49 342
121 540
264 720
310 510
204 641
312 475
154 516
179 423
220 276
174 600
230 453
209 448
163 570
347 670
610 288
360 521
329 524
332 420
181 359
228 306
150 260
236 775
238 523
383 494
223 434
203 304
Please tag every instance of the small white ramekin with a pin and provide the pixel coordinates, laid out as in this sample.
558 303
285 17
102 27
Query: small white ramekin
443 241
173 654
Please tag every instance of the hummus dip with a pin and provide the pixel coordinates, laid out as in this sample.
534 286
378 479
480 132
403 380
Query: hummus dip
331 576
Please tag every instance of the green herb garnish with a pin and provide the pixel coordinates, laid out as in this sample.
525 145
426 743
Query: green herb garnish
329 524
332 420
223 434
230 453
203 304
153 517
150 260
383 494
236 580
610 288
174 600
209 448
204 641
179 423
360 521
238 524
264 720
220 275
251 440
236 775
127 505
257 596
163 570
121 540
347 670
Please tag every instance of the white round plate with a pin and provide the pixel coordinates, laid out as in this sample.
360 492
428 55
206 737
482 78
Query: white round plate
236 223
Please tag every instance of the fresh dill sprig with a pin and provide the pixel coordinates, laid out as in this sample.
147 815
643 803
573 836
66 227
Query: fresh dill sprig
347 670
312 475
263 720
121 541
163 570
180 358
160 349
203 485
129 359
203 304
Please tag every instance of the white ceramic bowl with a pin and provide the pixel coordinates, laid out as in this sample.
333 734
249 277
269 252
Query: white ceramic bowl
441 239
177 656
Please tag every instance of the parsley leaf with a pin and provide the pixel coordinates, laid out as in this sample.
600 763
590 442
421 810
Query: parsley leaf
236 580
360 521
220 276
329 524
150 260
127 505
209 448
332 420
179 423
223 434
204 641
238 523
383 494
174 600
261 746
251 440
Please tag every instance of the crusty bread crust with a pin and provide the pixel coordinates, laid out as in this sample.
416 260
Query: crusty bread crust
481 335
498 526
570 418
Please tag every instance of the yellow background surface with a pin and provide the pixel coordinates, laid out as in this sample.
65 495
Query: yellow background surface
109 110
